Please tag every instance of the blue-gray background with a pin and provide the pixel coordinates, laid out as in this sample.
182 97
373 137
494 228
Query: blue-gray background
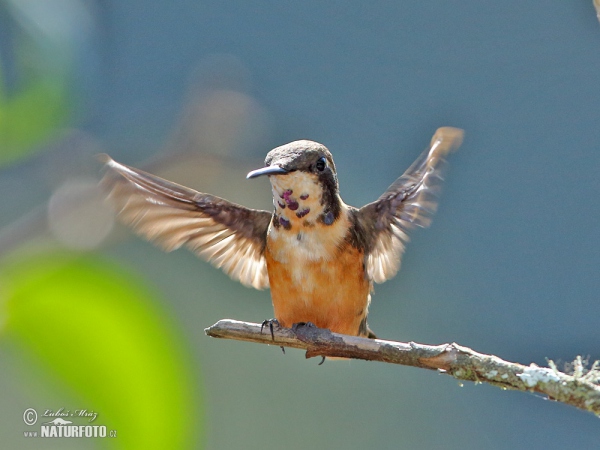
510 265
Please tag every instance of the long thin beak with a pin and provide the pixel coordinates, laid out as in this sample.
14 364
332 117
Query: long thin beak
270 170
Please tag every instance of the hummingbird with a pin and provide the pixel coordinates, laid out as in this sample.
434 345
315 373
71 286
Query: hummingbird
319 256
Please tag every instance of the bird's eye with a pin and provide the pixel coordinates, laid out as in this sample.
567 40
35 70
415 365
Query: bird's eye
320 165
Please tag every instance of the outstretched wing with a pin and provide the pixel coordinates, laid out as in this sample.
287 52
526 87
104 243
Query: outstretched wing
227 235
410 201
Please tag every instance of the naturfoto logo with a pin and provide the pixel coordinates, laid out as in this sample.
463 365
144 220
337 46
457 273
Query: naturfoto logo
62 425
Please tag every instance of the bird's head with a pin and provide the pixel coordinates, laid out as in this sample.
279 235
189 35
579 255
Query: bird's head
304 182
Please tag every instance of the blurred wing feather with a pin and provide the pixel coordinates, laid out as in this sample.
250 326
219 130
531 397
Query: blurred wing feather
227 235
410 201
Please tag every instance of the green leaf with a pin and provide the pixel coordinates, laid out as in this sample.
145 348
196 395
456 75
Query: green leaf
94 326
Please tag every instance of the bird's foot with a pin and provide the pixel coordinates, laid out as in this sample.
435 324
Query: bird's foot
296 326
271 323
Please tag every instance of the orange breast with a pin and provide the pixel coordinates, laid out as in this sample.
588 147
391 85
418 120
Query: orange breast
330 292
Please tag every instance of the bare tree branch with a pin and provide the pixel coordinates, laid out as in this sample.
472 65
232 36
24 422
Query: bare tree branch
580 389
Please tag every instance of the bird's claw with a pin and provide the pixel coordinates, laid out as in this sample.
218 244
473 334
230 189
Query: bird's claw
270 323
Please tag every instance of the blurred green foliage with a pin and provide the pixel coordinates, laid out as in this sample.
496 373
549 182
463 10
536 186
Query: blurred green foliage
36 78
31 116
94 326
